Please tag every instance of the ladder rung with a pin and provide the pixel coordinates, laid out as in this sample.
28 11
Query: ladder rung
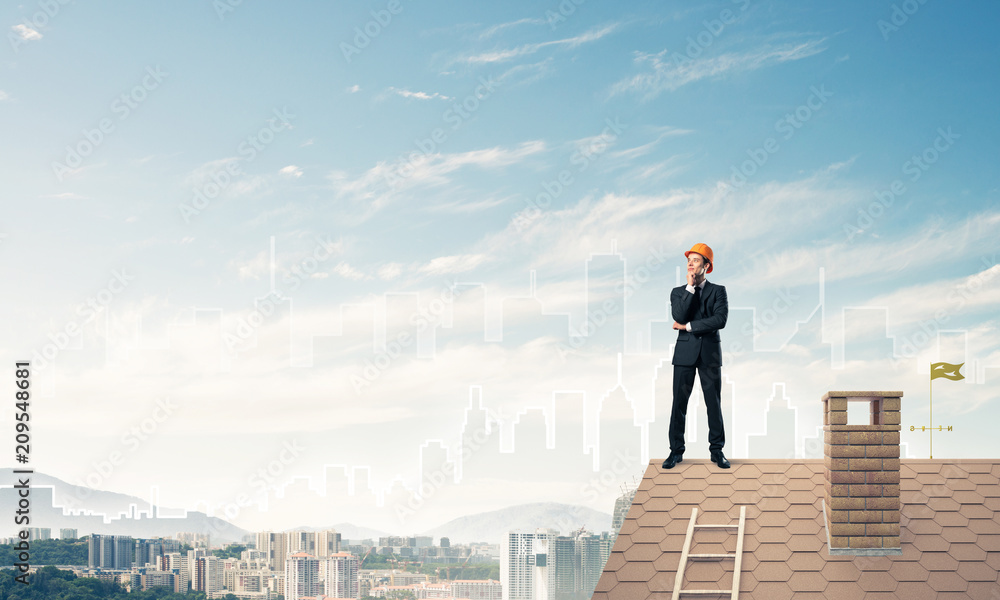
686 556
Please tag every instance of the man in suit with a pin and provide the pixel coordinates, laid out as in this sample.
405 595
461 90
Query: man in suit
700 310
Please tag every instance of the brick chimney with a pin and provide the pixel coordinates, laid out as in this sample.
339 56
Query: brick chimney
862 474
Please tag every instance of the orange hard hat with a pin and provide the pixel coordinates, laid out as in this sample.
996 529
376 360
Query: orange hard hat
705 251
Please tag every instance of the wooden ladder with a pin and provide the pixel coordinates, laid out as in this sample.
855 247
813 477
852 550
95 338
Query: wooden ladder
686 555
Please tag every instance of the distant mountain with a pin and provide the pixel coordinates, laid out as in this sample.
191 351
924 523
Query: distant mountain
348 531
492 527
96 511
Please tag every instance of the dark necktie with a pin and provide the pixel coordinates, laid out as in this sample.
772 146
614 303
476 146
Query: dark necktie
695 303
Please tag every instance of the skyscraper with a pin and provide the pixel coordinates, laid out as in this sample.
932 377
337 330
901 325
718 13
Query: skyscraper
622 504
208 575
110 551
524 566
301 576
275 545
327 543
565 560
341 579
301 541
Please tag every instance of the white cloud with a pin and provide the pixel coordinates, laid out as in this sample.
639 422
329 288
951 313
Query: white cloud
354 89
26 33
291 171
348 272
493 30
378 186
977 292
635 152
465 206
505 55
667 72
444 265
390 271
404 93
4 96
253 268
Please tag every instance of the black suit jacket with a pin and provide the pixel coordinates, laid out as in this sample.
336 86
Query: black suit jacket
703 340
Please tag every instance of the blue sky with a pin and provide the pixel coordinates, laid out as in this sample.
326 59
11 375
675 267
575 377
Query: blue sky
174 161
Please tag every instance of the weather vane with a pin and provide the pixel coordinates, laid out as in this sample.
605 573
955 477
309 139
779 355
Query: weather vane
948 371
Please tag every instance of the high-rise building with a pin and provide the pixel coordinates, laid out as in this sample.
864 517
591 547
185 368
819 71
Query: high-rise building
301 541
275 545
177 563
525 570
622 504
110 551
67 533
341 578
208 575
566 562
301 576
147 551
592 559
39 533
327 543
192 561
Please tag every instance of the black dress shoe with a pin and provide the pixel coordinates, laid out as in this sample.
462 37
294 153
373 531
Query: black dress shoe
673 459
720 459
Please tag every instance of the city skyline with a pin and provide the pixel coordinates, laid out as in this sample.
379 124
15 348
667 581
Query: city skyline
310 279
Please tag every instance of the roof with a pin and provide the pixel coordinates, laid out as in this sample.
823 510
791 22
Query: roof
949 517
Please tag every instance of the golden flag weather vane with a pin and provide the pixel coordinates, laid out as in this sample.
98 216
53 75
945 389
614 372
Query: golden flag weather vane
947 371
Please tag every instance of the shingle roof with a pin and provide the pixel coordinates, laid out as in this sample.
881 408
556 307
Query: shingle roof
949 517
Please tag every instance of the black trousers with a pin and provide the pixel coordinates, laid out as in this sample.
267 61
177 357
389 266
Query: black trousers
711 388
